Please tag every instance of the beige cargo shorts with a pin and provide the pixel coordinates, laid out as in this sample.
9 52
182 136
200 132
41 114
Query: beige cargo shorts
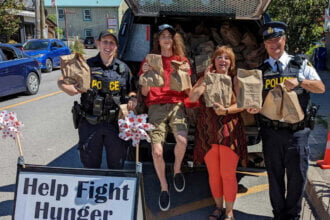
164 117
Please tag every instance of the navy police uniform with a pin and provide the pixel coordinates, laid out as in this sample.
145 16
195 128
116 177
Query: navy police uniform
285 146
98 113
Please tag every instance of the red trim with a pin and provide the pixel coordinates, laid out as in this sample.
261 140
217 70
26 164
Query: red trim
148 33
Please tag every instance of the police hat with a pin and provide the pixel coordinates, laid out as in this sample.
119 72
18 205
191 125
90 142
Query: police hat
273 29
168 27
108 33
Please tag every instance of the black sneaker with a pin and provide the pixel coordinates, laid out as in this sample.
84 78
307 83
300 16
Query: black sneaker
179 182
164 201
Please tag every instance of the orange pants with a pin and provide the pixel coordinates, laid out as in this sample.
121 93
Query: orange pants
221 162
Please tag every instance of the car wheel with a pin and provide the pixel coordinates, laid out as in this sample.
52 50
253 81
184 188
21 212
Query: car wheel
49 65
32 83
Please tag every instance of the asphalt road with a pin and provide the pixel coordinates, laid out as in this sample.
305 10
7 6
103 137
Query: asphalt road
49 139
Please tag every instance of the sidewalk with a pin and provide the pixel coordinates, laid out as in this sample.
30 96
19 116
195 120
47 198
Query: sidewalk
318 183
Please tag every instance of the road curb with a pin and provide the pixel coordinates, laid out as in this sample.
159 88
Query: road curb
318 192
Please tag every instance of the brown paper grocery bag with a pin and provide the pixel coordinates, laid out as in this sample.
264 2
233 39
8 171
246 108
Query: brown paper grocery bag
283 105
154 77
201 63
123 112
272 107
180 79
250 88
291 109
218 89
76 71
230 34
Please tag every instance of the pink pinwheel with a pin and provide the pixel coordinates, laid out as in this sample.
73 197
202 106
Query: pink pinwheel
134 127
9 125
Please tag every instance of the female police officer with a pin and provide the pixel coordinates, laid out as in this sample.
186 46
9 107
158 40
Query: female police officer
98 111
285 146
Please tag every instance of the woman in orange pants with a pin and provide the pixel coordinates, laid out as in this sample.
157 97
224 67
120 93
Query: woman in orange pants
220 136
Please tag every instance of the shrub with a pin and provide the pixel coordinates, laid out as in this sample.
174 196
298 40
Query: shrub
77 47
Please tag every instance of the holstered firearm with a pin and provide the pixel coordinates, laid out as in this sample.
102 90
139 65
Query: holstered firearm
76 110
311 115
110 108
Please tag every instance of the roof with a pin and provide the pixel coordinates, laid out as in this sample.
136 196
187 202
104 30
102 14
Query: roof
84 3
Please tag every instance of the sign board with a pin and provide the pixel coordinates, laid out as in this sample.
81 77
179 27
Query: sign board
63 193
112 22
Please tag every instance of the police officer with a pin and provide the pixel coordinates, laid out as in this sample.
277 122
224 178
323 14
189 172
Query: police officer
96 115
285 146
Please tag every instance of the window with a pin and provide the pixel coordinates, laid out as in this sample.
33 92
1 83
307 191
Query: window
53 44
88 32
87 14
60 14
9 54
60 44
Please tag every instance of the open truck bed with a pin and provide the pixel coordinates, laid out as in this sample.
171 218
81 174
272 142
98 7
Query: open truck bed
204 25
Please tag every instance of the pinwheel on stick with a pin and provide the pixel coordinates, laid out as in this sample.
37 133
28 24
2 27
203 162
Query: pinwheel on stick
134 128
11 127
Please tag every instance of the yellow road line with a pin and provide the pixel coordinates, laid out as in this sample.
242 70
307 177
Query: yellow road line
253 173
30 100
254 189
190 207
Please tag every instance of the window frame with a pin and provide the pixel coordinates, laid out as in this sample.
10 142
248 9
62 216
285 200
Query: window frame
84 14
86 30
58 12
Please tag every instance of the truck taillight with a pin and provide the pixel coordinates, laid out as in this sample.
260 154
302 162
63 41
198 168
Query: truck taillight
148 33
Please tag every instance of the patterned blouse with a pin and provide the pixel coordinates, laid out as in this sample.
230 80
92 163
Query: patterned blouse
211 129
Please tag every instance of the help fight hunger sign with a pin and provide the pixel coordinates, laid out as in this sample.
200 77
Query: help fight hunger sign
72 197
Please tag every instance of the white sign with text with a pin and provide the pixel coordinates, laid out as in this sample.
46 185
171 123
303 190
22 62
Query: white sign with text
67 197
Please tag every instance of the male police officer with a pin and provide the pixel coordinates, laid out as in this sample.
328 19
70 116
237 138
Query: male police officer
96 116
285 146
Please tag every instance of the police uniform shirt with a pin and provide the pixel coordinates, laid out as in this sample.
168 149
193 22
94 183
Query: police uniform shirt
97 67
309 73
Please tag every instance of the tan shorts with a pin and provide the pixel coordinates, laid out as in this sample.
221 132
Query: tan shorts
165 116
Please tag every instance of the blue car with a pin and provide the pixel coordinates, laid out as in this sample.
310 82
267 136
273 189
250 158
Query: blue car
18 72
47 52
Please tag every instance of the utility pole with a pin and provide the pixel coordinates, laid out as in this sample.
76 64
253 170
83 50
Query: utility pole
42 19
58 25
37 21
327 44
66 27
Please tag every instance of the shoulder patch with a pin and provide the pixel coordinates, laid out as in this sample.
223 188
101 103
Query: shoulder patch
309 64
121 68
95 72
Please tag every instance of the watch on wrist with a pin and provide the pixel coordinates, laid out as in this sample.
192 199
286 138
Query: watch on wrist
300 80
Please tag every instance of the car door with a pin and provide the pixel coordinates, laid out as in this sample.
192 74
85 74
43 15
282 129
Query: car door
63 49
55 53
12 71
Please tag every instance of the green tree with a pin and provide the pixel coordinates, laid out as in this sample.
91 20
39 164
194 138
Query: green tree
304 18
52 17
9 19
58 31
